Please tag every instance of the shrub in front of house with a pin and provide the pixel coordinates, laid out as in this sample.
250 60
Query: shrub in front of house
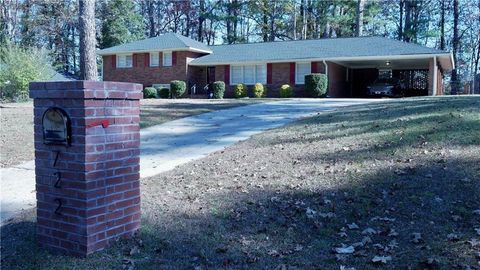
240 90
163 92
259 90
218 89
286 91
177 88
149 92
316 84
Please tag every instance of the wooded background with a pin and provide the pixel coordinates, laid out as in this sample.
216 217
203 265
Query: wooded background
452 25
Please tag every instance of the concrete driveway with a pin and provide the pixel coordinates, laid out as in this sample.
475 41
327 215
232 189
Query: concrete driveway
165 146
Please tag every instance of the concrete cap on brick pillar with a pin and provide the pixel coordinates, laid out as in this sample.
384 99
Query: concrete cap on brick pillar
88 191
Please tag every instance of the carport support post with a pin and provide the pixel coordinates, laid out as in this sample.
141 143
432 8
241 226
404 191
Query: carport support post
432 76
88 185
435 79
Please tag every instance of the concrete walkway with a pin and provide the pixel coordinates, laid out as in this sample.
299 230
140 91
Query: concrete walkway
174 143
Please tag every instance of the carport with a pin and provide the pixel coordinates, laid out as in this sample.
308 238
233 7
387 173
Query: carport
420 74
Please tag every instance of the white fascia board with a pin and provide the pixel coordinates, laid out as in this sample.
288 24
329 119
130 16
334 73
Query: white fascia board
190 49
332 59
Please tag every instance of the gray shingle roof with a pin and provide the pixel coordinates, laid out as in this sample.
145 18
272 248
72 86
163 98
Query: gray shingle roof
163 42
311 49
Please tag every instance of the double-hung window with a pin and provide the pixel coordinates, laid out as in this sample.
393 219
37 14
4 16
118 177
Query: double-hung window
154 59
248 74
124 61
167 59
301 70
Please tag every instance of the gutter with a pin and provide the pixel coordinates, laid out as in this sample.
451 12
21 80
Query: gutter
332 59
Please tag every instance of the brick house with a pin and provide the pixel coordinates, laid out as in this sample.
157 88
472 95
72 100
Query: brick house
351 64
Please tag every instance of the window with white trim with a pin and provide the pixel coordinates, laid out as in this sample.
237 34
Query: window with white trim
124 61
248 74
301 70
167 59
154 59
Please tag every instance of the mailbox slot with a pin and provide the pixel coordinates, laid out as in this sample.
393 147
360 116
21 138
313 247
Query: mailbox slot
56 127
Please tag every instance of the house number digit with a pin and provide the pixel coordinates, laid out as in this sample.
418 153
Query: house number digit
59 202
58 177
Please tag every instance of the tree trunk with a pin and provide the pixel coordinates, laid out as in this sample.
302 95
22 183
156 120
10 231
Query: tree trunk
294 21
455 43
151 18
201 20
88 62
408 21
265 21
442 25
400 26
359 28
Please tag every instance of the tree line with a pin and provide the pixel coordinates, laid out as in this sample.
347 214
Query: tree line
452 25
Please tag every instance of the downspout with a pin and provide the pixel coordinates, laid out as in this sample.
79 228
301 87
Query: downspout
435 71
326 73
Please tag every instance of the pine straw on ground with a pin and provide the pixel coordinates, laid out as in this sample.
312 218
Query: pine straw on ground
397 180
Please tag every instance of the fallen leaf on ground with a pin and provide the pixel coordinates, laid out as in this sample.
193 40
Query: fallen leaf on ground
353 226
477 212
381 259
474 242
366 240
392 233
369 231
346 268
477 230
345 250
273 253
393 244
453 237
298 247
456 218
310 213
386 219
327 215
417 238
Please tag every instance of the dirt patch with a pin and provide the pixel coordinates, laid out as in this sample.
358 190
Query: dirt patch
16 136
397 182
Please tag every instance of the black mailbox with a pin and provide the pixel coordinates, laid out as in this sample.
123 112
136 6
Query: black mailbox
56 127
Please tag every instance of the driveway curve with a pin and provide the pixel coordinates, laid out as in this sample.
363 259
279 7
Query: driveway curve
165 146
176 142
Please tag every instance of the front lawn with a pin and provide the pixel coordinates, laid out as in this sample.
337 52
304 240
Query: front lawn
397 182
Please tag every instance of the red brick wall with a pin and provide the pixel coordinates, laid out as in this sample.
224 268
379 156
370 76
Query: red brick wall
337 84
147 75
99 187
281 75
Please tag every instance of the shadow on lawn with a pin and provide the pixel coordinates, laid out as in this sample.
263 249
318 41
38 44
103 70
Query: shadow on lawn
264 223
266 227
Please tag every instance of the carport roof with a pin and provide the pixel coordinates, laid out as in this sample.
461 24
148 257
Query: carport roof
335 49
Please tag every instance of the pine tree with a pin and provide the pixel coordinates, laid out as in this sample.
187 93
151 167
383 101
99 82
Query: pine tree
122 23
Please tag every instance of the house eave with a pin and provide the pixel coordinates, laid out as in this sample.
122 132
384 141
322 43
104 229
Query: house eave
190 49
443 56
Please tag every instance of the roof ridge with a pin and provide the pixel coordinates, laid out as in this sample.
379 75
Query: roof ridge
299 40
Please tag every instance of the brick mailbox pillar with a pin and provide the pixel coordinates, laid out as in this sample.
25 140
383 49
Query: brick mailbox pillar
86 163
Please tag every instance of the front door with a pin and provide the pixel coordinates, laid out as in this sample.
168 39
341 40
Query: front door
210 79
